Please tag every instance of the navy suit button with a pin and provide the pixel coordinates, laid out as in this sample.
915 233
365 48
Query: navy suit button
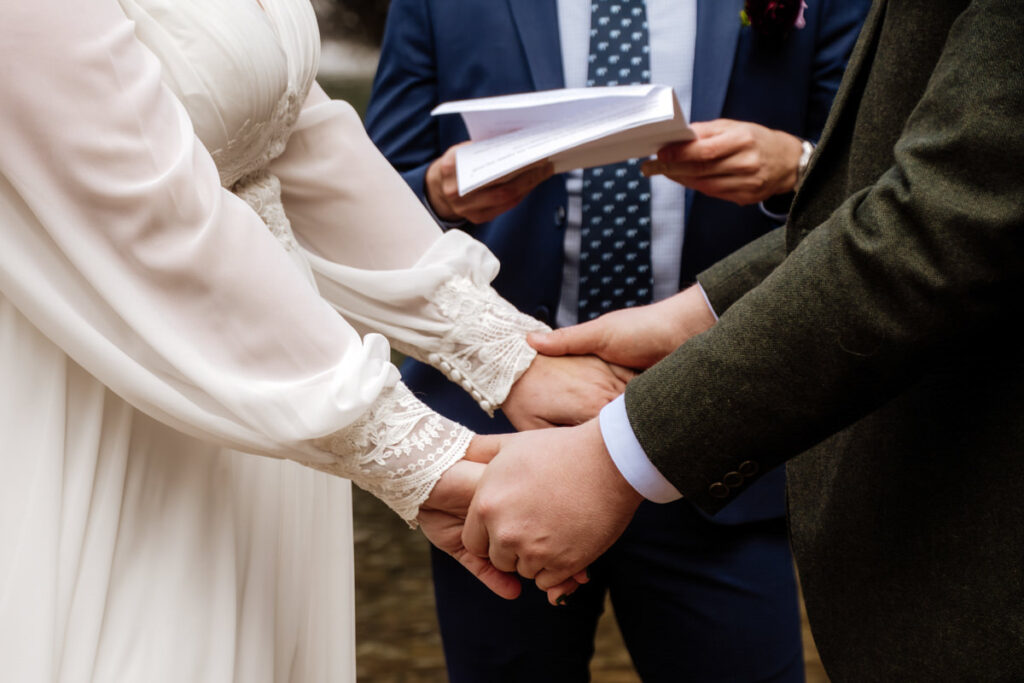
718 490
543 314
733 479
560 216
749 468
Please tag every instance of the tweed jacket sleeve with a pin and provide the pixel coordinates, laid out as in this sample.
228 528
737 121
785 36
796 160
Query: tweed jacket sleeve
735 275
866 301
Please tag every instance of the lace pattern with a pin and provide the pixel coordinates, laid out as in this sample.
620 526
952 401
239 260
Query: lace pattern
397 450
262 192
485 350
258 143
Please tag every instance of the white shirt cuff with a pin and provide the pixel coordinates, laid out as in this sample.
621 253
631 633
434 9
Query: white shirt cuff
707 300
779 217
629 456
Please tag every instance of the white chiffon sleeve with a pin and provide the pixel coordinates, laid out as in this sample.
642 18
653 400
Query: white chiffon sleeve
383 263
120 245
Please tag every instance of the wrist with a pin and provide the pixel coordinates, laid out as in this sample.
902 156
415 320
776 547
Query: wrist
793 153
806 150
620 492
691 316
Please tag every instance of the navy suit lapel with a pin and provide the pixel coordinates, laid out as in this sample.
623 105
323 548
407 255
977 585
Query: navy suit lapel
537 24
718 31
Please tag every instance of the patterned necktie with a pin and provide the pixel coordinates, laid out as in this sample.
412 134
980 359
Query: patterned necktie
615 235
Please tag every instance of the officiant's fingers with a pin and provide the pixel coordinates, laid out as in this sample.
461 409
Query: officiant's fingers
715 140
501 583
525 179
741 189
504 194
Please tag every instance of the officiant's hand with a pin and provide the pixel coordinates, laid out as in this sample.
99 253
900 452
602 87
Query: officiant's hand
633 337
563 391
738 161
549 503
485 203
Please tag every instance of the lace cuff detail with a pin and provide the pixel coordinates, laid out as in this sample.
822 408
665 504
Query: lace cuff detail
485 350
397 450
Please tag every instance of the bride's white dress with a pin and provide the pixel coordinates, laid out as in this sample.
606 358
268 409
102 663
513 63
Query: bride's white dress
160 322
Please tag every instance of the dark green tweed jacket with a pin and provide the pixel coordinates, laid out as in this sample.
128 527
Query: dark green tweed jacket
874 340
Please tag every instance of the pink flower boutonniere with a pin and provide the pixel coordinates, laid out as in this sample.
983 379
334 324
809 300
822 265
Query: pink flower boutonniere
774 18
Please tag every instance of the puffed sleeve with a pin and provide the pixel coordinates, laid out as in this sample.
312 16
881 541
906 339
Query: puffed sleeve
384 264
120 245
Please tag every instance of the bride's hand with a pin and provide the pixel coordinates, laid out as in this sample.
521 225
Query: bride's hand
442 517
566 390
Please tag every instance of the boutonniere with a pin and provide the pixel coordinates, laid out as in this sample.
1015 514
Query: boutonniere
774 18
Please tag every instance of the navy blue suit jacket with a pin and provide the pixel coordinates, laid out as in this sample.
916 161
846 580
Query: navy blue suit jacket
440 50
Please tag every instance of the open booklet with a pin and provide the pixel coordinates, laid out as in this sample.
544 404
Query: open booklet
572 127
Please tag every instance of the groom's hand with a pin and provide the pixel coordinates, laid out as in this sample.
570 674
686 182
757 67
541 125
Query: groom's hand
483 204
633 337
550 502
563 391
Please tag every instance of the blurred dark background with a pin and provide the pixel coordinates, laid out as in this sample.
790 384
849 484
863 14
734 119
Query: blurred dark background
358 20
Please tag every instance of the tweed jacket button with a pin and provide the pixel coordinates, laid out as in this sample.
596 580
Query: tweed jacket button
733 479
749 468
718 490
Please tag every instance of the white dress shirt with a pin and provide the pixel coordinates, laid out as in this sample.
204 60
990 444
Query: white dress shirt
672 25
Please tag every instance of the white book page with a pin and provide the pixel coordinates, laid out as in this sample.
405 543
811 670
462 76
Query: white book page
570 130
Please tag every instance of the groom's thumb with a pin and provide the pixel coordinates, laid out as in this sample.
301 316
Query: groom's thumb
577 340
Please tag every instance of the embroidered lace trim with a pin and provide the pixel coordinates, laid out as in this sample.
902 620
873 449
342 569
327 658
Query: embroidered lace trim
397 450
258 143
485 350
262 192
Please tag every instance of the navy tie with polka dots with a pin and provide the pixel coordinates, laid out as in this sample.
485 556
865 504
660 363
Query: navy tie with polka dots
615 235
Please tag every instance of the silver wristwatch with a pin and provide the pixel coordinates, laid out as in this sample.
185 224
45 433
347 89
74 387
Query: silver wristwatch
807 149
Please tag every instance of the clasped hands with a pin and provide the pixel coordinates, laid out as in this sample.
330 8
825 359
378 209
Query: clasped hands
545 503
550 501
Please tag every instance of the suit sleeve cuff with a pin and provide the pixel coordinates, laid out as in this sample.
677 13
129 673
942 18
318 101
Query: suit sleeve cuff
629 456
707 301
445 225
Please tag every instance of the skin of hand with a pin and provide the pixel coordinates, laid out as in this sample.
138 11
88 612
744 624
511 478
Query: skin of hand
563 391
442 517
482 204
740 162
633 337
550 502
